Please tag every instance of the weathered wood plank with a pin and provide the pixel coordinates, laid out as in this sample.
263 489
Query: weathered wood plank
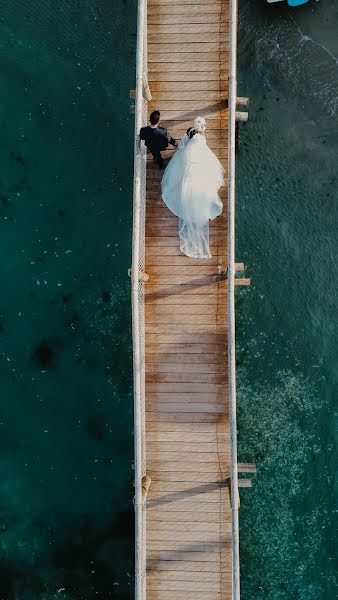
213 74
188 375
181 329
186 397
210 468
189 555
170 501
188 349
172 3
191 47
210 107
186 268
192 477
174 299
166 457
187 63
175 585
200 446
165 253
160 364
194 437
200 387
219 318
169 96
161 260
156 311
167 575
195 17
181 314
197 417
182 595
196 278
184 9
165 290
195 526
183 428
165 32
184 37
190 338
212 316
168 247
184 566
187 407
158 86
187 507
212 56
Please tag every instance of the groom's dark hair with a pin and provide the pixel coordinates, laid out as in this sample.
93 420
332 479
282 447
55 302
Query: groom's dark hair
155 117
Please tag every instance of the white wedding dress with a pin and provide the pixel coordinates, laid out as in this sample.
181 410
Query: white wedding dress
190 187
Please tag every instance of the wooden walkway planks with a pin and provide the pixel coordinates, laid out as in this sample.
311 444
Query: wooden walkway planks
187 427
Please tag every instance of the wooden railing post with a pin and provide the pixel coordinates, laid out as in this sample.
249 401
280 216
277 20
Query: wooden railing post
146 481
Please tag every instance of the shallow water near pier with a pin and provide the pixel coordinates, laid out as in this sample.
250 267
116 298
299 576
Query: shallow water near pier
66 518
287 217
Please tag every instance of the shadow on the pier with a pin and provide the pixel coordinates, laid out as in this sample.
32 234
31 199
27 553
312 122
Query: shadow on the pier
205 111
186 287
200 489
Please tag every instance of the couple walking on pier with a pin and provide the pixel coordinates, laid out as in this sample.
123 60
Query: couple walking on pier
190 182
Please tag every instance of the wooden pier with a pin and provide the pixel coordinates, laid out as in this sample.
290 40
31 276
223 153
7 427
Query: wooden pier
187 544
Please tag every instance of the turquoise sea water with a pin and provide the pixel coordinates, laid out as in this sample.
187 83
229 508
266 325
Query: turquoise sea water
66 450
287 217
66 521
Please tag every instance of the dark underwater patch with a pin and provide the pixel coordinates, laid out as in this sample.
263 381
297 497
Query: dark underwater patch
45 355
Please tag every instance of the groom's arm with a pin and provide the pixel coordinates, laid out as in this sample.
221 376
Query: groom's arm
171 139
141 137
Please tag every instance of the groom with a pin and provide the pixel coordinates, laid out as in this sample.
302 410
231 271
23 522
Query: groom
156 138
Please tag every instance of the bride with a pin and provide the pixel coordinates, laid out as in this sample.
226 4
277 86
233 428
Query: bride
190 187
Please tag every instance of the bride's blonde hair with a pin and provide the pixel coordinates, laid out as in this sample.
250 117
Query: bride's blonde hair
199 124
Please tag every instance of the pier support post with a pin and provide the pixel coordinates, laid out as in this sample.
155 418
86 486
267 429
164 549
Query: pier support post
242 101
142 276
246 468
243 281
241 116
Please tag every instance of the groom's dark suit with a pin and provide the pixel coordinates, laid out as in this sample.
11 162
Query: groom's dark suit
156 139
